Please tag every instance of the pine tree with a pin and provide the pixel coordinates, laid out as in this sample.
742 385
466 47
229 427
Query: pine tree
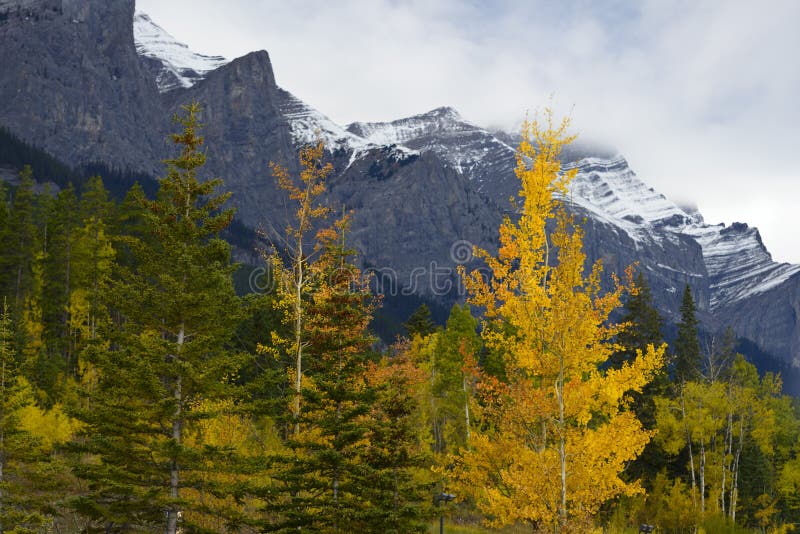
420 322
643 329
5 239
177 308
60 236
399 484
324 471
23 239
22 507
644 323
687 344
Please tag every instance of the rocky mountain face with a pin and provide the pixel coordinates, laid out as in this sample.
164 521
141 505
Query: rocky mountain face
91 80
68 69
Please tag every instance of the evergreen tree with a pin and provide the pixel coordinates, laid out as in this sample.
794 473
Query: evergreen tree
22 506
177 310
5 239
324 471
456 346
94 258
23 238
420 322
59 236
644 323
687 344
644 328
399 483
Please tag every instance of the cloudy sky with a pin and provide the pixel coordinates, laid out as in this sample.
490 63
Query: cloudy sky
700 96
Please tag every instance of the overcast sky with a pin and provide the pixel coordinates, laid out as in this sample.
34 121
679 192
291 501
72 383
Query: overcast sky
700 96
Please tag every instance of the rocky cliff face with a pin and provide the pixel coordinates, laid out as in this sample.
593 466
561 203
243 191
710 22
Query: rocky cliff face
73 84
86 80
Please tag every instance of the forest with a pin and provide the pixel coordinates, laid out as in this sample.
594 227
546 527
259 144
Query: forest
139 392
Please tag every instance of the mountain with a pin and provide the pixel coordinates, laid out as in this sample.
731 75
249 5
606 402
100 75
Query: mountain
172 63
94 81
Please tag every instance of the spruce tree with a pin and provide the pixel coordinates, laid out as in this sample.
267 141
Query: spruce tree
96 256
644 320
23 238
59 269
420 322
176 308
5 239
398 484
23 507
324 469
687 344
644 328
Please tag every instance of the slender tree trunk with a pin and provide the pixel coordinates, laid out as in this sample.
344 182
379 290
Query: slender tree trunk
298 335
466 409
177 431
726 459
702 478
735 475
562 446
2 438
691 455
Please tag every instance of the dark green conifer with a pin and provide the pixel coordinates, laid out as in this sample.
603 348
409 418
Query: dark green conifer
420 322
644 329
687 344
24 506
19 258
176 308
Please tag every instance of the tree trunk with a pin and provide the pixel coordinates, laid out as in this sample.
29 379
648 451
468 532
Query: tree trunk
177 430
702 478
2 437
298 335
691 455
735 474
466 410
562 452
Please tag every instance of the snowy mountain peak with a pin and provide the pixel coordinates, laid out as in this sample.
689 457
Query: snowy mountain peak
736 260
445 113
180 67
307 125
609 185
409 129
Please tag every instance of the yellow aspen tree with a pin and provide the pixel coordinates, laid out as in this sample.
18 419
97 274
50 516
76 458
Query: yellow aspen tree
557 432
293 272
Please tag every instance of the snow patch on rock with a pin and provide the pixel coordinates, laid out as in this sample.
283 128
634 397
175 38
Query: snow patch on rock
181 66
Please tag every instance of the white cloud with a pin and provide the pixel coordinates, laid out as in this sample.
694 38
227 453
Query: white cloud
700 96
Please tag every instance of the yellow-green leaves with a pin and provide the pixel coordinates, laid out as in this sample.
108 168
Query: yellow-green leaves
558 434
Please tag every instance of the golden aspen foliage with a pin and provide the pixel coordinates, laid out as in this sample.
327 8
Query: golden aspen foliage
292 274
555 436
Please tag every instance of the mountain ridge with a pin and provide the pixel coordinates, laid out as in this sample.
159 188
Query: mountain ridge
418 185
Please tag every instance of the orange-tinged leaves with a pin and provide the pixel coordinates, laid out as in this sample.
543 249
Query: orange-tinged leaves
550 320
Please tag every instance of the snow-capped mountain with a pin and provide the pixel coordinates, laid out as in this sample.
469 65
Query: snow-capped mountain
179 66
308 125
737 263
466 147
416 185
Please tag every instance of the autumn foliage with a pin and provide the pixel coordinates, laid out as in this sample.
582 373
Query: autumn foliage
557 434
